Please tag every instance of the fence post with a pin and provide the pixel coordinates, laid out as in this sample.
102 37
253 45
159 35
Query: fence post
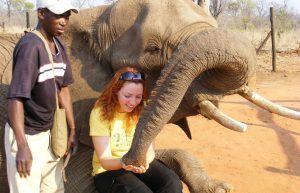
263 43
273 40
27 20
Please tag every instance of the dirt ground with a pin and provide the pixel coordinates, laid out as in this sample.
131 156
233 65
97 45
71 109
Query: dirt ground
264 159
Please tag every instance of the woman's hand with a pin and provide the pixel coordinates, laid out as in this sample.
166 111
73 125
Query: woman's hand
132 168
143 168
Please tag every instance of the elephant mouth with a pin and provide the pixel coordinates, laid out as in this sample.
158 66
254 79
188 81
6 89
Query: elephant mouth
220 81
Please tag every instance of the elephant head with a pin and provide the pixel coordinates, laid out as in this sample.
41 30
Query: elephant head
190 63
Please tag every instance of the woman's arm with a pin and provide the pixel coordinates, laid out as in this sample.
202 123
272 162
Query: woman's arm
103 151
107 160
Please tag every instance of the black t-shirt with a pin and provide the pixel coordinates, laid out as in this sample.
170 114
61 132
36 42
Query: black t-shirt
33 81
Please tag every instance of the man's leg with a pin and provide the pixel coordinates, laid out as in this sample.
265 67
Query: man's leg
38 145
52 179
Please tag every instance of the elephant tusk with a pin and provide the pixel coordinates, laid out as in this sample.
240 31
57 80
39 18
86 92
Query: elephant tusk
211 111
260 101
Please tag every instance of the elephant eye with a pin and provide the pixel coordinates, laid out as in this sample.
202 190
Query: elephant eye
153 49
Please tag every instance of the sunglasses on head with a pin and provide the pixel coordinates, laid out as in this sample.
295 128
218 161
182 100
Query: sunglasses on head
132 76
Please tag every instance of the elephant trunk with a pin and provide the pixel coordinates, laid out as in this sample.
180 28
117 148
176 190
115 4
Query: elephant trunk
205 51
189 169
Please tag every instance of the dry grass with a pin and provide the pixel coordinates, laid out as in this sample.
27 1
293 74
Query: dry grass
13 29
287 41
17 23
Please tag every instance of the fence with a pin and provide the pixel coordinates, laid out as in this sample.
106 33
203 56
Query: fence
18 22
272 35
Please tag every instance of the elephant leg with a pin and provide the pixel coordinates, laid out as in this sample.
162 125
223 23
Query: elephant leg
190 171
78 172
3 115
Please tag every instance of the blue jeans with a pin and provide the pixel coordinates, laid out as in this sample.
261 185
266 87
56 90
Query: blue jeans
157 179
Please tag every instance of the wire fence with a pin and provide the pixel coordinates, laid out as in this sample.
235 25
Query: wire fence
17 22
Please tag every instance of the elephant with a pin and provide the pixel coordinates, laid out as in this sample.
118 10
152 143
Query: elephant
7 43
190 65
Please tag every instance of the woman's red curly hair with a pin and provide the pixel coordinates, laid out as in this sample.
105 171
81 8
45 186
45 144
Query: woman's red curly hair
108 100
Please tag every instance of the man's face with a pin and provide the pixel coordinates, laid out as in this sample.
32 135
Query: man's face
52 23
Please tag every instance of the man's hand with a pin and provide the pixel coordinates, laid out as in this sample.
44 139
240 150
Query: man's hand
24 161
72 142
65 102
16 121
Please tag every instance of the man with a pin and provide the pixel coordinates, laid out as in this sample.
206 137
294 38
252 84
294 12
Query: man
31 165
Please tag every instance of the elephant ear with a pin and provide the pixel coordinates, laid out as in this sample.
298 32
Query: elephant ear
183 124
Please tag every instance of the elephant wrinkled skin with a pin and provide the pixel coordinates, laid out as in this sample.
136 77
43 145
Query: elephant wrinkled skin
190 65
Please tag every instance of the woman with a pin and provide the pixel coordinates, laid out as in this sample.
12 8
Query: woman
112 125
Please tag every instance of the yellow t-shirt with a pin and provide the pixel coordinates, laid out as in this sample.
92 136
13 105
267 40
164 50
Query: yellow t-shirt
120 137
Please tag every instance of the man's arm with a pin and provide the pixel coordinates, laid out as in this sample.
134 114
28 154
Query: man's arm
16 121
65 102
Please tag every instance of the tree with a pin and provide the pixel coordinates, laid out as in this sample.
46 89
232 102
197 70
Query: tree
216 7
261 6
18 5
8 5
245 10
233 8
22 5
282 18
85 3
